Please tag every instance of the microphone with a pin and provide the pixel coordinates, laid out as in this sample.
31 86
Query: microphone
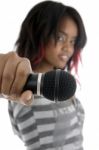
56 85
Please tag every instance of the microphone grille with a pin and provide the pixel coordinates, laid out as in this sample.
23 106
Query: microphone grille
67 86
48 87
66 89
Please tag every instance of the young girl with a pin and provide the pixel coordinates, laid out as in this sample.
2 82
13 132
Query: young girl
51 37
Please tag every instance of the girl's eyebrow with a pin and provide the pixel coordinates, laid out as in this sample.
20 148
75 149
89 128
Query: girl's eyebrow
65 34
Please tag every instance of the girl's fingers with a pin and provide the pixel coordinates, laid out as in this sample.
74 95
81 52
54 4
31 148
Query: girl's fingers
22 72
26 98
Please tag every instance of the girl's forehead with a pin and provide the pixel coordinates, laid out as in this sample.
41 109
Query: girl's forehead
68 25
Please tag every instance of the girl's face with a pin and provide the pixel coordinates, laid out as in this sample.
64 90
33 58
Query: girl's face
57 55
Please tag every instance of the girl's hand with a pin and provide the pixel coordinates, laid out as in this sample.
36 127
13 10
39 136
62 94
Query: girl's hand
14 71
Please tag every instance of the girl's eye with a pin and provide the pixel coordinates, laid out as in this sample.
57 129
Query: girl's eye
60 38
72 42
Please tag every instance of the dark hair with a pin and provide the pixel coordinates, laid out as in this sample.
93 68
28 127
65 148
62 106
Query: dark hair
40 24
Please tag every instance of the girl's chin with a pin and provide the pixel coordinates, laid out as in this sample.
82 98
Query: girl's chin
60 67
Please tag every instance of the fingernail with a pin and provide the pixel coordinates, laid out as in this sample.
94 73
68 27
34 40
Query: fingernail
28 100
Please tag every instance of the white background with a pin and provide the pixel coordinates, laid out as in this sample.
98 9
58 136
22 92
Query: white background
12 13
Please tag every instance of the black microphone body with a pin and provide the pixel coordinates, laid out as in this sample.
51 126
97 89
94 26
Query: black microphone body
56 85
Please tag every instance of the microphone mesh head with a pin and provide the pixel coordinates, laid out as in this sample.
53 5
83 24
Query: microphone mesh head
66 89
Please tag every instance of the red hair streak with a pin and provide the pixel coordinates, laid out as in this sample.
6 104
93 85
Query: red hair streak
39 57
75 61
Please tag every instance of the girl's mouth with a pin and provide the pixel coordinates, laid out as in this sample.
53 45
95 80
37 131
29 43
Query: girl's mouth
64 57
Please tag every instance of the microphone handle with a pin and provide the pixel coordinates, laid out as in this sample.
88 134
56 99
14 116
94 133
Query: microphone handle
31 83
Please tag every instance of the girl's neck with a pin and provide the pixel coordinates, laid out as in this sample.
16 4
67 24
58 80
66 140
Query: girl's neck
43 67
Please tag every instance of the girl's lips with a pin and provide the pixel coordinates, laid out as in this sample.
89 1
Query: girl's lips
63 57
